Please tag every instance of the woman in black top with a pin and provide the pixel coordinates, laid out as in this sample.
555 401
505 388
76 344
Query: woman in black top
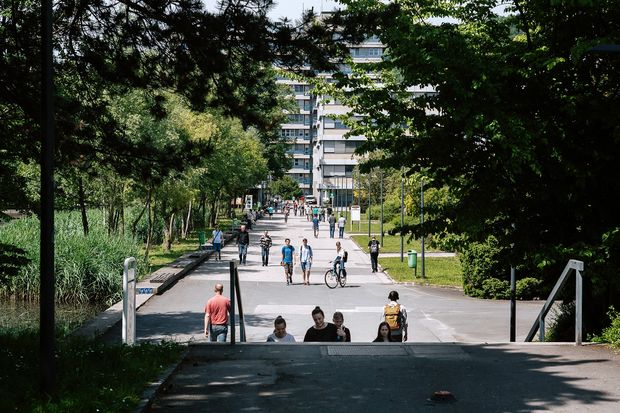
383 333
320 331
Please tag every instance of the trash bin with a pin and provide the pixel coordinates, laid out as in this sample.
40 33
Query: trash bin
201 239
412 257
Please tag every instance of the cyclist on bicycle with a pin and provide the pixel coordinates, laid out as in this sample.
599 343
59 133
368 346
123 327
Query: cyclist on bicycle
340 259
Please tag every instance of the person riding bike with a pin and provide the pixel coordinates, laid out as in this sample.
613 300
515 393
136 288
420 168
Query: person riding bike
340 259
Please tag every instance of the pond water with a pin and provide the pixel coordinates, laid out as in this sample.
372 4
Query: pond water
25 315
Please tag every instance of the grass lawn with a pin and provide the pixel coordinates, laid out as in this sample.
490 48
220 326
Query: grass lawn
91 376
391 243
159 258
439 271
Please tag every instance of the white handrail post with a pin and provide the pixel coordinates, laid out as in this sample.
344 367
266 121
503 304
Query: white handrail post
579 307
129 301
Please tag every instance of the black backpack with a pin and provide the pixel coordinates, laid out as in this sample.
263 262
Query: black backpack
345 256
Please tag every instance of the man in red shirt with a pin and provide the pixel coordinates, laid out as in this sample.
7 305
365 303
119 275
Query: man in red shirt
216 315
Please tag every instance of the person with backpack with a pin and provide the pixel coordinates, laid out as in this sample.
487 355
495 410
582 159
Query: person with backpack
341 257
395 315
373 247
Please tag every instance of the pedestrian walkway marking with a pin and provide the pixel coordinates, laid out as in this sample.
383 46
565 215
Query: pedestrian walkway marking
307 309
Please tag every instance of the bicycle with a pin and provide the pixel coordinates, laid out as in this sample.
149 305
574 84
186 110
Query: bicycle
332 279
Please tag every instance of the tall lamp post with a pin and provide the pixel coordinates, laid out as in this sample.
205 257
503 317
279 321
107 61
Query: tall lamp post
422 223
402 213
381 196
368 214
47 282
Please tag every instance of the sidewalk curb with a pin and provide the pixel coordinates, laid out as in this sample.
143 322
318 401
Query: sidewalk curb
154 388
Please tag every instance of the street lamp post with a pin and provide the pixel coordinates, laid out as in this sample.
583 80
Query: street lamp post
402 213
422 223
368 210
46 251
381 196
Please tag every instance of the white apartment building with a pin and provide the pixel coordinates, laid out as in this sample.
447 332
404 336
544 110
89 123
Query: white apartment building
323 160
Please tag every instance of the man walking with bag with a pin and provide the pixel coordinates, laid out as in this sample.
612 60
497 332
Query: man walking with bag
373 248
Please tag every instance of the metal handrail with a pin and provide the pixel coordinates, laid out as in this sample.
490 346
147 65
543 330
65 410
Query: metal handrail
539 323
235 292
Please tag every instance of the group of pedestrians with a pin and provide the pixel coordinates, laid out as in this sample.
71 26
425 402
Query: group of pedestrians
392 328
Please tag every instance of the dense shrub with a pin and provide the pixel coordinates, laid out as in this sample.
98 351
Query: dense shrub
528 288
611 334
391 210
562 326
480 261
496 289
88 268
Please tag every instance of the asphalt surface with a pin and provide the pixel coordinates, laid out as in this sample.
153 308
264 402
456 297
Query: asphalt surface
458 345
434 314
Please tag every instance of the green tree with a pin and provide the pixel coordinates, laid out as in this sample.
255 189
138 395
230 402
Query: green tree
511 113
286 187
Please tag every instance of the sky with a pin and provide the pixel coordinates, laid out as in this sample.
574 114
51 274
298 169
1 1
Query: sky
291 8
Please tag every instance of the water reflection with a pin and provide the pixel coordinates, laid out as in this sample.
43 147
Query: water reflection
25 315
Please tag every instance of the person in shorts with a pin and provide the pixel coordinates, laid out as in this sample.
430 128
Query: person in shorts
305 260
287 260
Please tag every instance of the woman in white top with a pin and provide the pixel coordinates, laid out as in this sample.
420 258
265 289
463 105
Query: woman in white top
279 334
340 254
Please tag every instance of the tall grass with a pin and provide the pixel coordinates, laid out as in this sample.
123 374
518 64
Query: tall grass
88 268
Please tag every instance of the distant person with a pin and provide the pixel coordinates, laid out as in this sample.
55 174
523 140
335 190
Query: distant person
265 244
395 315
217 241
332 225
243 240
383 333
315 225
270 212
287 260
344 335
217 311
315 211
373 247
320 331
279 334
342 222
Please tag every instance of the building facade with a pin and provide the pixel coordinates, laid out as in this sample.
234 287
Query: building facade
323 160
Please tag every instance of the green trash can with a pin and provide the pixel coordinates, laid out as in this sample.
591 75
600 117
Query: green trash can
201 239
412 261
412 256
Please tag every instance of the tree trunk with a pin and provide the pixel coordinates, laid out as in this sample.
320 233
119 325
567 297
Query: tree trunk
189 215
134 224
82 202
149 230
169 233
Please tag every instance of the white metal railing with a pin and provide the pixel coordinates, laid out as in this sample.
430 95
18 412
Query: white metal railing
539 323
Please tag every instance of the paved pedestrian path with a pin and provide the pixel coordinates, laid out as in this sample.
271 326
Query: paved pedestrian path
435 314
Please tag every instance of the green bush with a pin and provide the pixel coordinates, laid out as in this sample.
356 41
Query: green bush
528 288
391 210
479 262
88 268
496 289
611 334
562 328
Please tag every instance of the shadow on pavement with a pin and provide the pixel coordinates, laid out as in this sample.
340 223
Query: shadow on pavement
399 378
